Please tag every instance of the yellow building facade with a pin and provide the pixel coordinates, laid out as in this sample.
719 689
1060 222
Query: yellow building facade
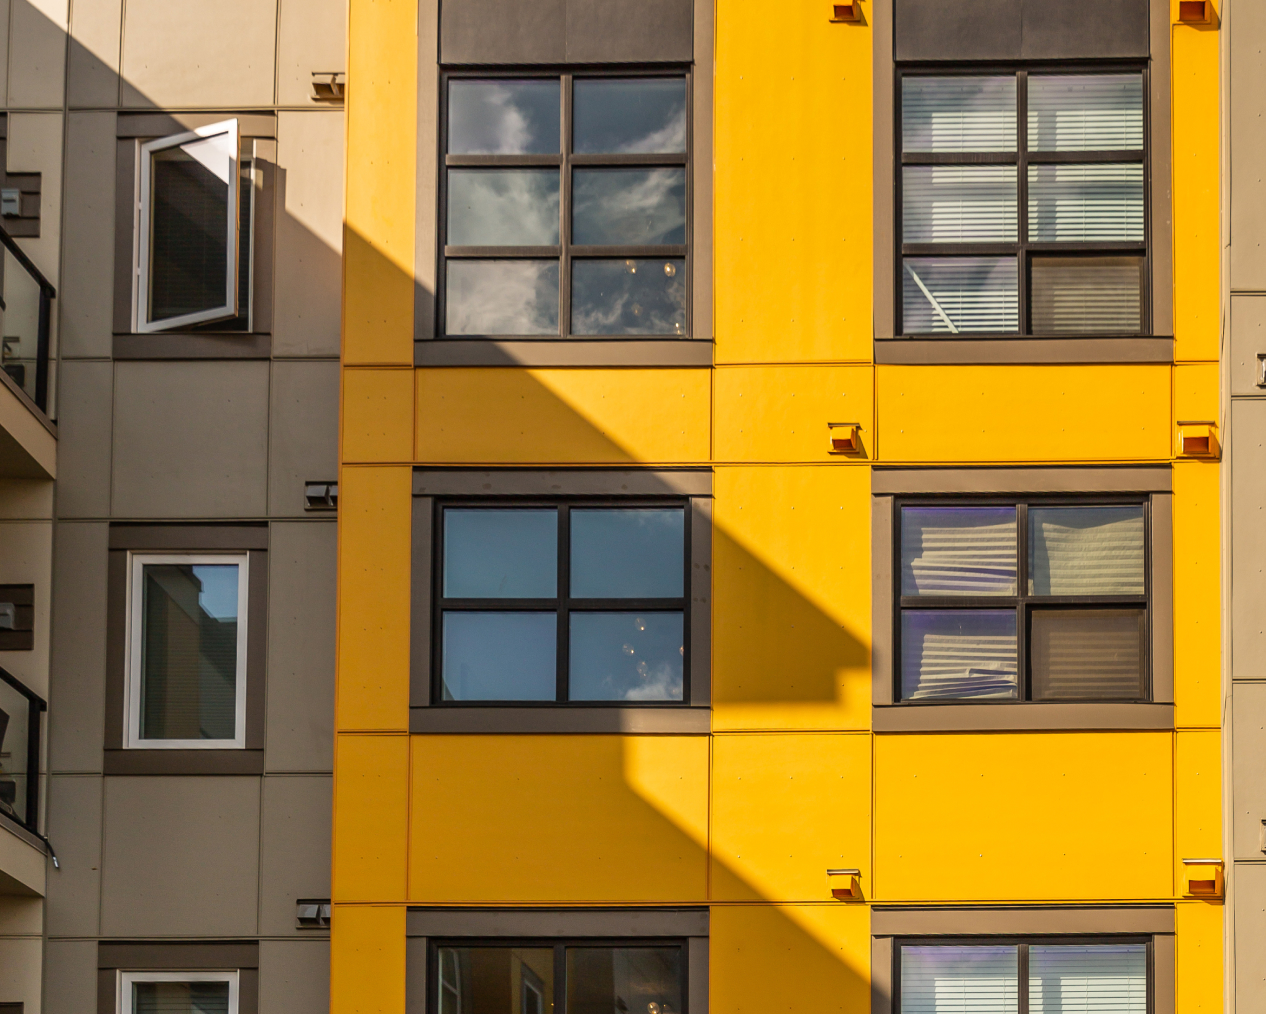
1041 822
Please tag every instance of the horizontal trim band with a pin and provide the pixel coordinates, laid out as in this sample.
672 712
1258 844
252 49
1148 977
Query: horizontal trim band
194 955
1021 717
561 720
229 761
1020 921
914 481
1001 351
562 482
192 346
562 352
555 922
191 538
163 124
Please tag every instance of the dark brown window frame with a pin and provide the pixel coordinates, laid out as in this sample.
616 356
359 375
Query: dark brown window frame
115 956
1023 603
565 252
1022 248
563 606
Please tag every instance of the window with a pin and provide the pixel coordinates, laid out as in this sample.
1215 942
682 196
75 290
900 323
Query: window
565 206
195 206
1039 600
178 992
1023 203
580 978
186 652
562 602
1103 974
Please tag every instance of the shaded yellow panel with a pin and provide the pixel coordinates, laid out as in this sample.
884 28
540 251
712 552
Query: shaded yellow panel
786 807
1197 594
377 415
791 598
1196 147
545 416
793 959
1023 413
1023 817
1198 798
375 513
371 799
367 959
793 209
382 55
780 413
559 818
1198 962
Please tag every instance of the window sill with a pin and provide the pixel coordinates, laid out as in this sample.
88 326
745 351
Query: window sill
1023 717
679 721
182 345
984 351
229 761
562 352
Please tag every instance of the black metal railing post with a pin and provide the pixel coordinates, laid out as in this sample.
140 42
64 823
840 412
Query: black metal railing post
47 295
35 706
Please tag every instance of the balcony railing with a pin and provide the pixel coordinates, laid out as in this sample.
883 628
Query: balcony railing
21 711
26 310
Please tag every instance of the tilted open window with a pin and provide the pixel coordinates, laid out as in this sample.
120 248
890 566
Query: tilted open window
193 231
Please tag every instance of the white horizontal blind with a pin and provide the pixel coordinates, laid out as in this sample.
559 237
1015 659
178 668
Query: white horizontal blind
180 998
1087 979
959 980
958 551
959 203
959 653
955 114
1098 203
1088 654
949 295
1079 295
1085 112
1086 551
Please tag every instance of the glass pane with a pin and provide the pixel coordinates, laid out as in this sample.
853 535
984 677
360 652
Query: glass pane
948 295
1087 295
20 325
629 115
627 553
1086 551
630 207
504 117
629 296
15 728
500 553
189 651
958 653
495 980
1085 112
958 114
508 297
189 194
627 656
960 979
1088 978
500 656
503 207
1086 203
180 997
1098 654
958 204
958 551
627 980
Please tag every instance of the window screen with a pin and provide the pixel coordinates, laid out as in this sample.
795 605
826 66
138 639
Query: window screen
565 206
562 603
1023 601
1023 203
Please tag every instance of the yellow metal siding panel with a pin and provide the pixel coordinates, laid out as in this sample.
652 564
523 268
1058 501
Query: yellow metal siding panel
780 413
1197 594
558 416
786 807
377 415
367 960
375 513
1198 961
511 819
791 598
371 800
1057 816
793 959
1023 413
1198 798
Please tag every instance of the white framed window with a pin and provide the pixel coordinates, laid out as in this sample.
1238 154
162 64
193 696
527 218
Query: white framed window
178 992
186 651
193 237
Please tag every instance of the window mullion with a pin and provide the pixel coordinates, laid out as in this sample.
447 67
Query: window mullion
1022 610
560 979
564 601
1022 197
1022 991
564 211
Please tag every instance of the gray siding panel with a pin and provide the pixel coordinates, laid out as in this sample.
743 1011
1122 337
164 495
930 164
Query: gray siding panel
295 854
1250 938
70 977
303 431
87 280
1248 532
1248 760
1247 141
294 977
74 824
84 395
1248 341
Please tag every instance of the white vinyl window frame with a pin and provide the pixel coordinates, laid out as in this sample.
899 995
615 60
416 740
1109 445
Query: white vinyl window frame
132 739
144 228
127 980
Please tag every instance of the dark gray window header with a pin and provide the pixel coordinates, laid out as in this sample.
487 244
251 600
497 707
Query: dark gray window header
562 482
557 922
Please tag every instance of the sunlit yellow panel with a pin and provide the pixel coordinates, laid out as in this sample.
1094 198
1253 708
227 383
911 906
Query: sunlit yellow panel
546 416
1198 798
791 598
559 818
371 799
1023 816
786 807
367 959
377 415
1200 933
1197 594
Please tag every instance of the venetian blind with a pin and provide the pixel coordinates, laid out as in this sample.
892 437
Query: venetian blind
956 114
180 998
959 980
1088 979
1086 551
958 551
